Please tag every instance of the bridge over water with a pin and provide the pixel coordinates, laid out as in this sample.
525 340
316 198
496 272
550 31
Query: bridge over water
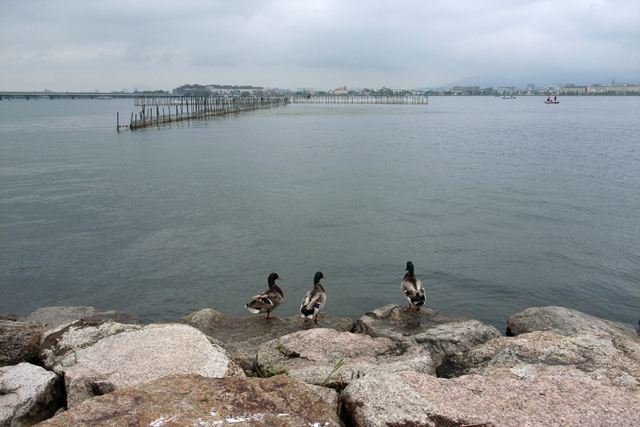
8 95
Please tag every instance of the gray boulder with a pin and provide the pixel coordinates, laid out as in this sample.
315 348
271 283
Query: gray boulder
439 333
19 342
330 358
54 317
99 359
564 321
193 400
28 394
615 358
64 341
243 335
557 396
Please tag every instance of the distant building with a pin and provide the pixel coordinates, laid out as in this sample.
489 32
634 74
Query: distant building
531 86
620 88
220 89
573 89
189 88
342 90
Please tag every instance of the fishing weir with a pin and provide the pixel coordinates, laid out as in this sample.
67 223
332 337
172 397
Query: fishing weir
360 99
163 111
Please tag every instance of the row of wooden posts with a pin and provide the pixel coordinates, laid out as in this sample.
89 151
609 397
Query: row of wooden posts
197 108
361 99
200 107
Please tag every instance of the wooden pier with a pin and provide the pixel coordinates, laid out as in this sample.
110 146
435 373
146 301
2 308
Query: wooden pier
361 99
162 112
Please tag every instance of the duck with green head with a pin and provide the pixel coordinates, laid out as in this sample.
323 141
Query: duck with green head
314 300
269 300
412 289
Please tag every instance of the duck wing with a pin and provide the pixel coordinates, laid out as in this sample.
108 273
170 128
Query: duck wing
413 290
313 302
265 301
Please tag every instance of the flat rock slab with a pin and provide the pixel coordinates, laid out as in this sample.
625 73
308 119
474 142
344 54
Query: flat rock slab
193 400
440 333
603 355
99 359
19 342
28 394
331 358
243 335
560 396
54 317
564 321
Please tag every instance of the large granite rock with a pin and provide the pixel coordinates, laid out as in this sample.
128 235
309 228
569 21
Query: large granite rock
64 341
19 342
54 317
192 400
555 396
97 359
439 333
313 356
28 394
565 321
614 357
243 335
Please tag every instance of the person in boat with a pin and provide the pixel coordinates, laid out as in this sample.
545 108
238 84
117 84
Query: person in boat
555 98
549 98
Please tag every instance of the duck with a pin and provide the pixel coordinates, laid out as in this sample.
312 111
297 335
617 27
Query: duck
269 300
412 288
314 300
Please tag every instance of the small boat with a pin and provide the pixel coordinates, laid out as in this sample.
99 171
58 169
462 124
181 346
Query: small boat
509 97
552 102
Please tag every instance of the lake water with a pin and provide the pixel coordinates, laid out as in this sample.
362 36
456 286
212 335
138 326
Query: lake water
500 204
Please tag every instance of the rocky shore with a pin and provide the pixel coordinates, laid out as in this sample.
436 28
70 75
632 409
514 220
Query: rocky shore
80 366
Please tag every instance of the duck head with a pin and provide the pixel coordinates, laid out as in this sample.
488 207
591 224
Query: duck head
317 277
272 279
410 268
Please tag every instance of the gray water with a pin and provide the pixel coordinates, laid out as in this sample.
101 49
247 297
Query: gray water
500 204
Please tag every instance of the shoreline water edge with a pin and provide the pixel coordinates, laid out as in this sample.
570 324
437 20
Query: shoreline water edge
394 366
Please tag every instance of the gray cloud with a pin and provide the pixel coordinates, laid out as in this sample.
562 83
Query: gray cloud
79 45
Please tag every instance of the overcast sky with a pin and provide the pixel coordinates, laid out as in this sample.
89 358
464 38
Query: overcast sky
113 45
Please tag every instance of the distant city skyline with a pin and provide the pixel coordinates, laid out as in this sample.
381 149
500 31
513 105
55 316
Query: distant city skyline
71 45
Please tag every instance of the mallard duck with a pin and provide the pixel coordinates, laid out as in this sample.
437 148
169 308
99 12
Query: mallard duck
269 300
412 288
314 300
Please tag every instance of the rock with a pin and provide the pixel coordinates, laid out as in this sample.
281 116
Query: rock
437 332
54 317
614 357
193 400
58 344
28 394
329 395
243 335
564 321
19 342
561 396
98 359
8 316
313 356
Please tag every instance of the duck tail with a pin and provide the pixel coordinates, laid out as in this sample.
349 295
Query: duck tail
252 309
306 312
